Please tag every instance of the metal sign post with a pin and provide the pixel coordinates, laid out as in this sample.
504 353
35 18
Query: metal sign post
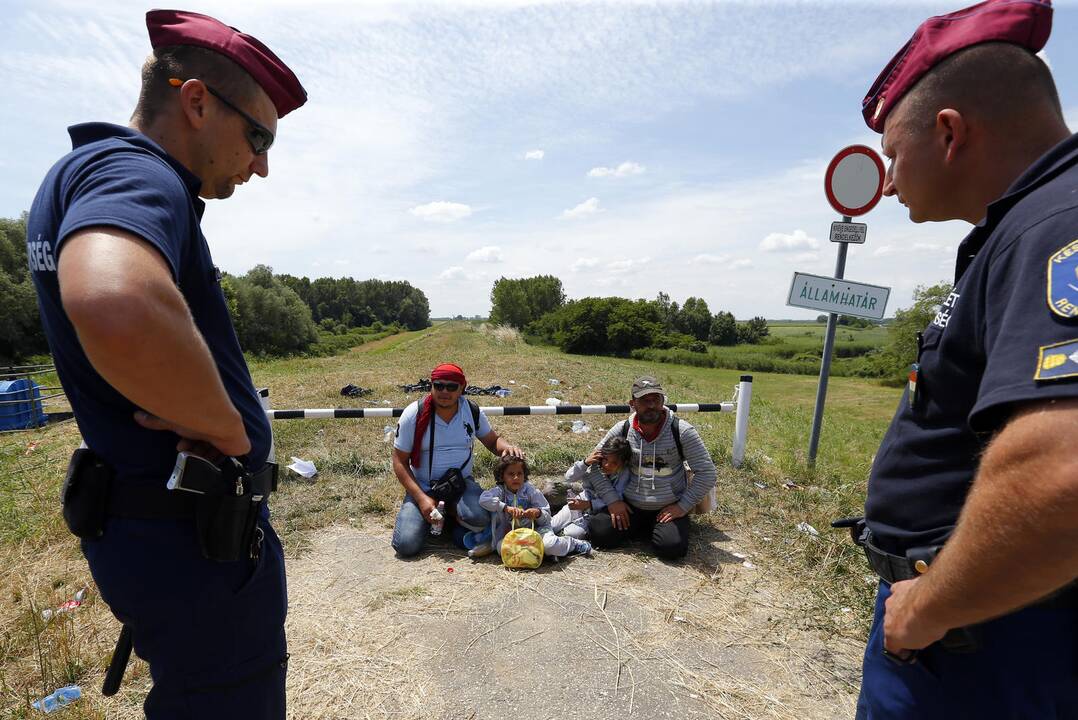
854 184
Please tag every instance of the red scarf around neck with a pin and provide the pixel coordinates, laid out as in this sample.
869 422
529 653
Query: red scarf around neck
649 435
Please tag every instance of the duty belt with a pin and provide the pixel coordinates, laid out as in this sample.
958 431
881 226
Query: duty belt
153 501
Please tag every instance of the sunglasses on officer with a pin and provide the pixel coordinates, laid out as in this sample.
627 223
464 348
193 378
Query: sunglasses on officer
258 135
445 386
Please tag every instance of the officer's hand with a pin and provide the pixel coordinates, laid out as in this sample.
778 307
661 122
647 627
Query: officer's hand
513 451
905 628
671 512
426 506
232 446
619 514
595 457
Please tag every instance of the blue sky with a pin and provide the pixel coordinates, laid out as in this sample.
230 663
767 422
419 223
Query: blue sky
627 147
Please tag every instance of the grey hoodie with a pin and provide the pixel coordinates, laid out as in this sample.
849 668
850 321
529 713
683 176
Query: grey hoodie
657 474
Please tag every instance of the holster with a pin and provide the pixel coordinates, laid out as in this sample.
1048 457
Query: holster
226 519
85 494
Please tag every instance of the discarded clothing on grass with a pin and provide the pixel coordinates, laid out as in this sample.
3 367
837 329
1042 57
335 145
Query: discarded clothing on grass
355 391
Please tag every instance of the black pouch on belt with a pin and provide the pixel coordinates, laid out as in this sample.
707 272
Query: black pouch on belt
85 494
226 525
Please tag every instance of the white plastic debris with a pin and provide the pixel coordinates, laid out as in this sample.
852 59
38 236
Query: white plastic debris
512 382
678 618
760 485
553 401
739 556
303 468
579 426
389 431
749 565
554 381
806 528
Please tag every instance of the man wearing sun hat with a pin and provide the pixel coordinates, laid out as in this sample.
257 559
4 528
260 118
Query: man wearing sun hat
144 347
658 496
972 507
435 436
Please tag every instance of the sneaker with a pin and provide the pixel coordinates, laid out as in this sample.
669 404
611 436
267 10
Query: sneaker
580 547
481 550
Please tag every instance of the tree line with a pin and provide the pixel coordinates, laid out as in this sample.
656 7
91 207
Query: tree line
614 325
272 314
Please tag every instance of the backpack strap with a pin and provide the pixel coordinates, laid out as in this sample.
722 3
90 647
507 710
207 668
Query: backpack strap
475 416
676 431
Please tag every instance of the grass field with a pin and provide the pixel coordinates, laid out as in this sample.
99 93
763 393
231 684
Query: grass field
761 503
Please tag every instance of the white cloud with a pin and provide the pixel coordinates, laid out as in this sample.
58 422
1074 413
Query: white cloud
707 259
585 264
784 242
534 155
741 263
807 257
456 272
442 211
620 267
487 254
584 209
624 170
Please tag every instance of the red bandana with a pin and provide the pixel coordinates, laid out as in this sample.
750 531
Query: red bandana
649 435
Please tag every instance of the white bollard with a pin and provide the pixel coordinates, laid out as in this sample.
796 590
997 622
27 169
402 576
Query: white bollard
741 419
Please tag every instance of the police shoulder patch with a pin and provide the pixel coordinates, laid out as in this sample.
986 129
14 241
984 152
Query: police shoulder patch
1063 281
1058 361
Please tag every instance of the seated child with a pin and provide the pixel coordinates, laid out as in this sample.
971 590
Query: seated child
612 460
515 497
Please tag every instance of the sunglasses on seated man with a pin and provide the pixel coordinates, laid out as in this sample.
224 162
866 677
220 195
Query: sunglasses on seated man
258 135
449 386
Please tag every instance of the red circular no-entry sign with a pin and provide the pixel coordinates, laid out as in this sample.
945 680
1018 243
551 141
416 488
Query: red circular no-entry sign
854 180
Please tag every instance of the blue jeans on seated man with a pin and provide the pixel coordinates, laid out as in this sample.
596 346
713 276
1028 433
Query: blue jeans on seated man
410 532
1025 667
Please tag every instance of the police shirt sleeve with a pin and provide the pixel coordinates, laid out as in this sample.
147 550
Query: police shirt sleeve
135 192
405 434
1031 322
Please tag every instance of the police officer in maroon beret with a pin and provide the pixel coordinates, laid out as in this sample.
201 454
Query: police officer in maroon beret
971 519
144 347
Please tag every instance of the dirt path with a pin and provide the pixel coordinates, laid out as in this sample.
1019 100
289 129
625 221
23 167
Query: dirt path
616 635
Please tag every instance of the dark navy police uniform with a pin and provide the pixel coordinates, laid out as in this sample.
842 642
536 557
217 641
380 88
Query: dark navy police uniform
1007 336
213 632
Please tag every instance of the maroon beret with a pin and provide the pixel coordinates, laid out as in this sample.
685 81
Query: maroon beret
180 27
1026 23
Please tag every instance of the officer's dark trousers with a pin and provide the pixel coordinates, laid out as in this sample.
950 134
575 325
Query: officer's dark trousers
1026 669
212 632
669 540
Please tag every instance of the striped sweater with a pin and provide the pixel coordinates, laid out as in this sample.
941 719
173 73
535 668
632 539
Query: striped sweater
657 474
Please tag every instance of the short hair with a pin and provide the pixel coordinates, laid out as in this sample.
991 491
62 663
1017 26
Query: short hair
1000 82
617 448
504 463
188 62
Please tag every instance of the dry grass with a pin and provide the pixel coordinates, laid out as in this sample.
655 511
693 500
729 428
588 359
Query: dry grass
41 566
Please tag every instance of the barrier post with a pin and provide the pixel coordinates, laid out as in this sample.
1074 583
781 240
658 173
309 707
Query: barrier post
741 419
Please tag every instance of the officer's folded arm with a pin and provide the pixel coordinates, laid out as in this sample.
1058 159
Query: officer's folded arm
137 331
1016 540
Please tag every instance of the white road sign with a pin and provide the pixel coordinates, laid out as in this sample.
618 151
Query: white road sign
849 232
843 297
854 180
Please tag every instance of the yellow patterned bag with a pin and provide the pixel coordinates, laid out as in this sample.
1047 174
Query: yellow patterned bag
522 548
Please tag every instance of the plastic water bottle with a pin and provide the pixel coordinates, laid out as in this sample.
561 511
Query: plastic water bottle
59 699
437 518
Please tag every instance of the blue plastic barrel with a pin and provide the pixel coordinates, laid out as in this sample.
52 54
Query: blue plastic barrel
20 405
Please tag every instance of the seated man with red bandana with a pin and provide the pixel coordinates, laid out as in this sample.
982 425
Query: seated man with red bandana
437 433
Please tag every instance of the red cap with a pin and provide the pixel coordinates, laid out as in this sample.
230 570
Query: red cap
180 27
450 372
1026 23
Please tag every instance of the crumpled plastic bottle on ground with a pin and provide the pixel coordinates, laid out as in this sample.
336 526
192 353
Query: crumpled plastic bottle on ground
58 700
579 426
